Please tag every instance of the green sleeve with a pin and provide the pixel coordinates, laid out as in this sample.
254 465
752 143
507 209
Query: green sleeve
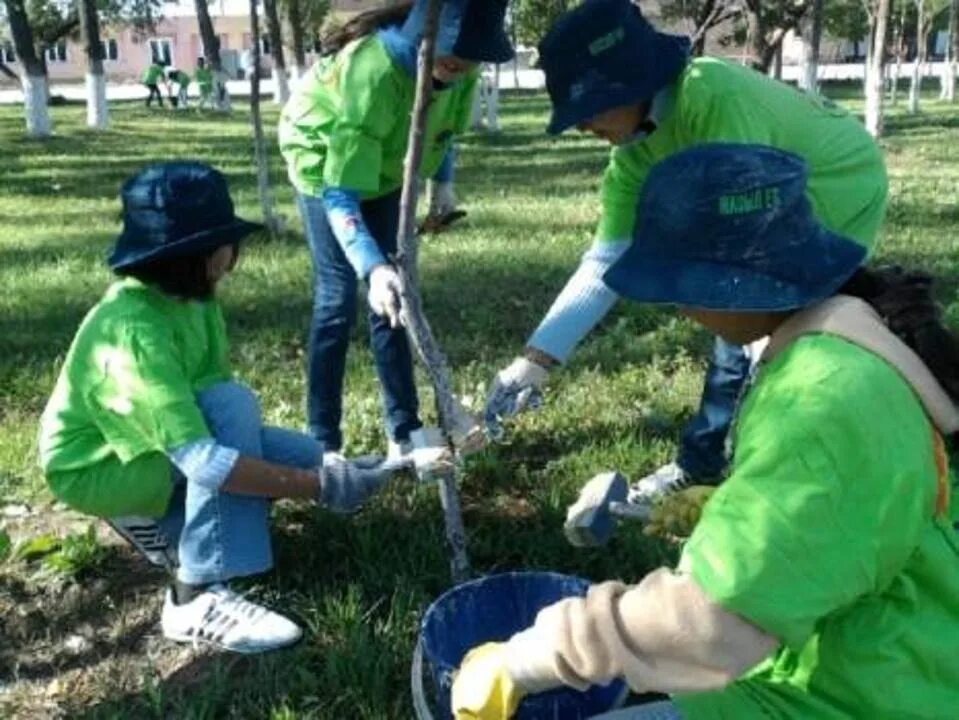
369 106
622 183
824 504
464 108
140 396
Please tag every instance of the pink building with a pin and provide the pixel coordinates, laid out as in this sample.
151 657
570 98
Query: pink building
175 40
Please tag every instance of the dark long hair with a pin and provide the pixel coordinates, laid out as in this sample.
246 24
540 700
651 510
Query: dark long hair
364 24
184 277
903 298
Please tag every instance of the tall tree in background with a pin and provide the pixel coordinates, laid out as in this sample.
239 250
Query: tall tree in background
876 64
34 78
97 112
923 21
767 23
304 18
700 16
900 45
260 154
535 17
948 91
812 38
281 81
211 52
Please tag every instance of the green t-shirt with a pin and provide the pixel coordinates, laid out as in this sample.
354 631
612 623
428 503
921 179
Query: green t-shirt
716 101
181 78
826 535
129 381
152 74
204 78
348 122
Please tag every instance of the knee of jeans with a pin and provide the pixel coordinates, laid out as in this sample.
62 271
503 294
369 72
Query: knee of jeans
229 399
334 308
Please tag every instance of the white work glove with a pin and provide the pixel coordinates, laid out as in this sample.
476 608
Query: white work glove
515 389
386 287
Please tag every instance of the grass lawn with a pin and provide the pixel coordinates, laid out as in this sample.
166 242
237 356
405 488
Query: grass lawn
88 645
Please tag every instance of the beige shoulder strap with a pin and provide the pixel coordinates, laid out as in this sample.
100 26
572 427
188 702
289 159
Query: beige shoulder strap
855 320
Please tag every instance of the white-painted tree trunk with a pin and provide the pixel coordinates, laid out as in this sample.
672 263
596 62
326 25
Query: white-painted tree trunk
97 109
492 102
875 70
809 70
948 80
915 81
281 87
894 83
476 111
35 105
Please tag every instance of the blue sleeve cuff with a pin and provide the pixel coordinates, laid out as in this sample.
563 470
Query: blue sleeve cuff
444 173
346 220
204 462
581 305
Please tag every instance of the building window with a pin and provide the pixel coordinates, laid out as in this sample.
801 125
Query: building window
58 52
161 51
7 54
111 50
264 45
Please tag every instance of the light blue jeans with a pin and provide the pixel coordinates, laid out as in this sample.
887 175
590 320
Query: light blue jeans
221 535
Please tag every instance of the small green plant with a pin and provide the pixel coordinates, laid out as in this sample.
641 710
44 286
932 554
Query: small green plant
71 555
6 546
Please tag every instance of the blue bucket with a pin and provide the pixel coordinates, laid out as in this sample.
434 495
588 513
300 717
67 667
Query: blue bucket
492 609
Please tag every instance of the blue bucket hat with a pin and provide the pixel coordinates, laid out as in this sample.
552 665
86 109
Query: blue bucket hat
729 227
469 29
604 54
176 208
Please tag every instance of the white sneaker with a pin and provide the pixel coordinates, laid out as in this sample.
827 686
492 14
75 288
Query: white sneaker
221 618
668 479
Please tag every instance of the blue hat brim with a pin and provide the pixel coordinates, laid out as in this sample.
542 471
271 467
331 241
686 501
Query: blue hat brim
497 49
645 278
571 114
199 242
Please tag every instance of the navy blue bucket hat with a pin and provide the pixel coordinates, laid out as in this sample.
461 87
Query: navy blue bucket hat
469 29
729 227
604 54
173 209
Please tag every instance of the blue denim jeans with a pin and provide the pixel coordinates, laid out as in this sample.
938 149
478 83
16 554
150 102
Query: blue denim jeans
222 535
334 312
702 449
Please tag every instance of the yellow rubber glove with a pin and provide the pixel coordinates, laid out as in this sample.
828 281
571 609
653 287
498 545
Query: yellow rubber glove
676 514
483 689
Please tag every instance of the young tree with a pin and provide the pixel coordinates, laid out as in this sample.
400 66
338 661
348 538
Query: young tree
281 81
34 79
701 16
304 18
260 154
900 47
97 113
211 51
876 64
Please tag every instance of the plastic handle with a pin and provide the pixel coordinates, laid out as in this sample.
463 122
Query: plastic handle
420 705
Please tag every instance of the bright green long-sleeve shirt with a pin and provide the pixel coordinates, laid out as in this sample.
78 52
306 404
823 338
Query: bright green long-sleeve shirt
716 101
347 124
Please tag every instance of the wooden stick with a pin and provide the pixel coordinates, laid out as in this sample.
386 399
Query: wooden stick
412 310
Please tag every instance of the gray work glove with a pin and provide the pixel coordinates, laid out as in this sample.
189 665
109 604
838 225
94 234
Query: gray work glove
346 484
386 287
515 389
